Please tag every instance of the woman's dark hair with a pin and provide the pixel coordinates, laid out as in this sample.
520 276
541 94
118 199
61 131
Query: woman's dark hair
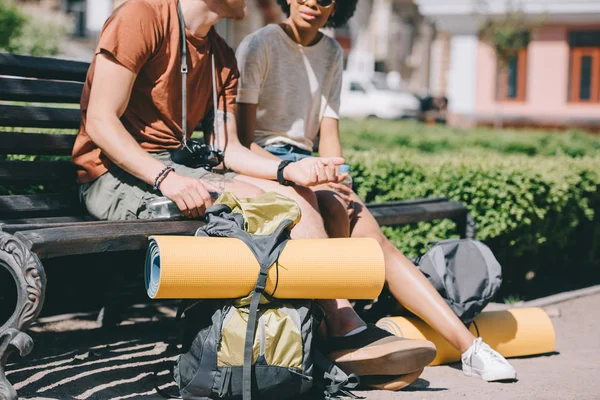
344 9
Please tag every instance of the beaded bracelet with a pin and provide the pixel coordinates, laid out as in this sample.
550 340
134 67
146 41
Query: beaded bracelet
161 177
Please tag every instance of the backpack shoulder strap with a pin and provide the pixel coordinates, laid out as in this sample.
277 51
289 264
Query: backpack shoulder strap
259 287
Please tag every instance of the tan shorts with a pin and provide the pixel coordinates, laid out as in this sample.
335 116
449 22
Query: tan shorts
118 195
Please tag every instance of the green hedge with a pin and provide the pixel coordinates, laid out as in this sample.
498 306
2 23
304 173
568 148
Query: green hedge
31 31
384 135
540 215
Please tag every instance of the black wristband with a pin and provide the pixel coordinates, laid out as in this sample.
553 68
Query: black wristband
280 177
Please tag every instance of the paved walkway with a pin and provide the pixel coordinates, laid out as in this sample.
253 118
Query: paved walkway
120 363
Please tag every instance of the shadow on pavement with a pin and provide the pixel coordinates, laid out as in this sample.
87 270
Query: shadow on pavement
118 363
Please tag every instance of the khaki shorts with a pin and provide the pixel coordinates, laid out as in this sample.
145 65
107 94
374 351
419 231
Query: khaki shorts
118 195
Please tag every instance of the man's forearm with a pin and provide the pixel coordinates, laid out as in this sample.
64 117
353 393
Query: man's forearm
109 134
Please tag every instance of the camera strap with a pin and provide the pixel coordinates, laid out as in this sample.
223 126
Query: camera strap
184 71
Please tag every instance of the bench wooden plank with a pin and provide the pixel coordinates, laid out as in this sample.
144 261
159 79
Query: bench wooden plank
102 237
41 91
43 117
107 236
36 143
18 172
12 226
18 206
390 215
25 224
42 67
39 117
419 200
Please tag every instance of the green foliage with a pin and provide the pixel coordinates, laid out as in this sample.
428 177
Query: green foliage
373 134
512 299
536 213
11 23
33 34
508 33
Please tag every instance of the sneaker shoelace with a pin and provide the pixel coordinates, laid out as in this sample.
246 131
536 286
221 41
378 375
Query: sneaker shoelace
486 352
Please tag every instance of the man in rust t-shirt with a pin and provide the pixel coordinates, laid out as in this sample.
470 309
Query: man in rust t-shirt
132 112
131 121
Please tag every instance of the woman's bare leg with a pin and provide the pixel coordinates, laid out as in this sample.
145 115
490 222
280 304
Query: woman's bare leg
406 283
334 213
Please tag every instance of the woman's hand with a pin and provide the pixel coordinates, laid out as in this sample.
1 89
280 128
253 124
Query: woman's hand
343 191
313 171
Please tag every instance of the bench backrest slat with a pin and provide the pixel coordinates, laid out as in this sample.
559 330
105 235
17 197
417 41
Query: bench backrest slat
36 172
402 214
39 117
36 143
39 205
40 91
42 68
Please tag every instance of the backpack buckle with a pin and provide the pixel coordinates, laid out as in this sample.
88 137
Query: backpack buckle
261 282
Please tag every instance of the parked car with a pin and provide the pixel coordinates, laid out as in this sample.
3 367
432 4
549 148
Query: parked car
374 97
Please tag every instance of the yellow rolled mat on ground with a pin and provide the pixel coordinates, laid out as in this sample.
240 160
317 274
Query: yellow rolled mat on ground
189 267
512 333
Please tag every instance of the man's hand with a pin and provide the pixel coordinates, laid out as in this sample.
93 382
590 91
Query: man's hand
189 194
313 171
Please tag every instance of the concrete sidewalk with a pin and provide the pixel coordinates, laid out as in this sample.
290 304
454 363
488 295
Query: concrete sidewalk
75 359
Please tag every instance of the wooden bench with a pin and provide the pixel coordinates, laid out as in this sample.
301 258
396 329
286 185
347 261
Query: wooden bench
38 93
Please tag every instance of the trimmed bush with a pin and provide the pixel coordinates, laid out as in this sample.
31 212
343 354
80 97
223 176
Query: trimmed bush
11 23
385 135
537 213
31 31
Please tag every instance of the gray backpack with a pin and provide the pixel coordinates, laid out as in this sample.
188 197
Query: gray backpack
285 363
257 345
465 273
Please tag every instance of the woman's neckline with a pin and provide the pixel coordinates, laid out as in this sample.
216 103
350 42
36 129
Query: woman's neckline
281 28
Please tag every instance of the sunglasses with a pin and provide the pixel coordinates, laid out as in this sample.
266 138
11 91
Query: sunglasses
321 3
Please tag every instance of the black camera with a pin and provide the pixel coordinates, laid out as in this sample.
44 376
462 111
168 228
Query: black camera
196 154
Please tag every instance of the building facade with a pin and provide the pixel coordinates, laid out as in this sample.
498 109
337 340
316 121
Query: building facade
391 35
554 81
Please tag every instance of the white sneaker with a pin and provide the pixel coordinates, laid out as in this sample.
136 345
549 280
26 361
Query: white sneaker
480 360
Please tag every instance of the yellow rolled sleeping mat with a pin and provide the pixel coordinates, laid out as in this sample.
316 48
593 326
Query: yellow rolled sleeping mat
190 267
512 333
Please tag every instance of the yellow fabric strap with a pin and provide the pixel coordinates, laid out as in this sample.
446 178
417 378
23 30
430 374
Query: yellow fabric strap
262 214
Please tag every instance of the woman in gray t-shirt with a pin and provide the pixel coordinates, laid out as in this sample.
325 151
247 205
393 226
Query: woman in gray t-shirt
289 90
